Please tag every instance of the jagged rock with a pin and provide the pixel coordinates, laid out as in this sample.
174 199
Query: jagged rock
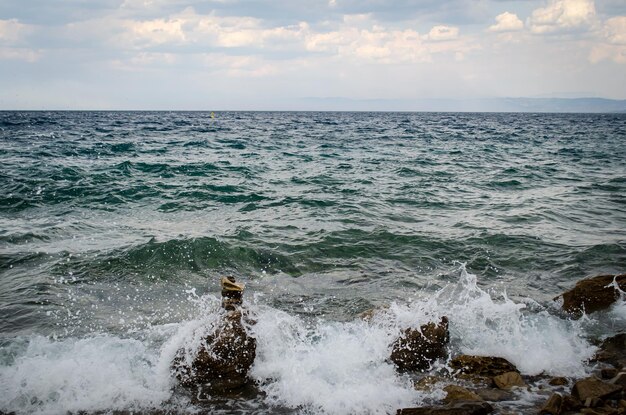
592 294
494 395
225 356
553 406
508 380
224 363
613 351
418 349
459 393
459 408
558 381
482 365
593 387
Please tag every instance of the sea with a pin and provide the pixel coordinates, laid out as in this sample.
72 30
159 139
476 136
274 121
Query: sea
116 227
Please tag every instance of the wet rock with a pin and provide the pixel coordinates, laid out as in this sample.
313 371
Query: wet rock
606 410
222 362
508 380
553 406
482 365
558 381
593 387
620 380
592 294
418 349
571 403
608 373
613 351
494 395
459 393
459 408
427 383
593 402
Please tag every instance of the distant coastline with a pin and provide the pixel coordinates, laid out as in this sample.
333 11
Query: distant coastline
342 104
547 105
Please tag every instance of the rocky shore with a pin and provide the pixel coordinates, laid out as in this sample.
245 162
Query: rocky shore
478 385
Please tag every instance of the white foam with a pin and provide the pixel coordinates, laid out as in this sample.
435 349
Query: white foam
96 373
534 341
327 367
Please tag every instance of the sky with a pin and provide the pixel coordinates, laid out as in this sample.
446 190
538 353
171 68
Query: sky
283 54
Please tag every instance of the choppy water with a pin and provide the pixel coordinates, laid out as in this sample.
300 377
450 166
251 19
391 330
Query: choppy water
115 226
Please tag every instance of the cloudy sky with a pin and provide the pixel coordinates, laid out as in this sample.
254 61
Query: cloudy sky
277 54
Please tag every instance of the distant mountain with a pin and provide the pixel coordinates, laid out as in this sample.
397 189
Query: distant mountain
571 105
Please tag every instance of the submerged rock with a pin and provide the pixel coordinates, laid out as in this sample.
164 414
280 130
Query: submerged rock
458 408
226 355
592 294
482 365
418 349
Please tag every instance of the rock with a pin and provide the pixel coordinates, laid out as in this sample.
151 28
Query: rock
508 380
459 393
494 395
593 387
608 373
605 410
592 294
571 403
613 351
482 365
427 383
459 408
418 349
222 362
558 381
553 406
592 402
620 380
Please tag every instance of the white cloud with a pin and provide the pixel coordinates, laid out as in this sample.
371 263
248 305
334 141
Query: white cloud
507 22
12 31
156 32
615 30
613 46
563 15
20 54
443 33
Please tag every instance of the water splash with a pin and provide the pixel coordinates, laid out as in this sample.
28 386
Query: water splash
308 364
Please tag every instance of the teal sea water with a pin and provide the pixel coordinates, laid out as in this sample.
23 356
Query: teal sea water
116 226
